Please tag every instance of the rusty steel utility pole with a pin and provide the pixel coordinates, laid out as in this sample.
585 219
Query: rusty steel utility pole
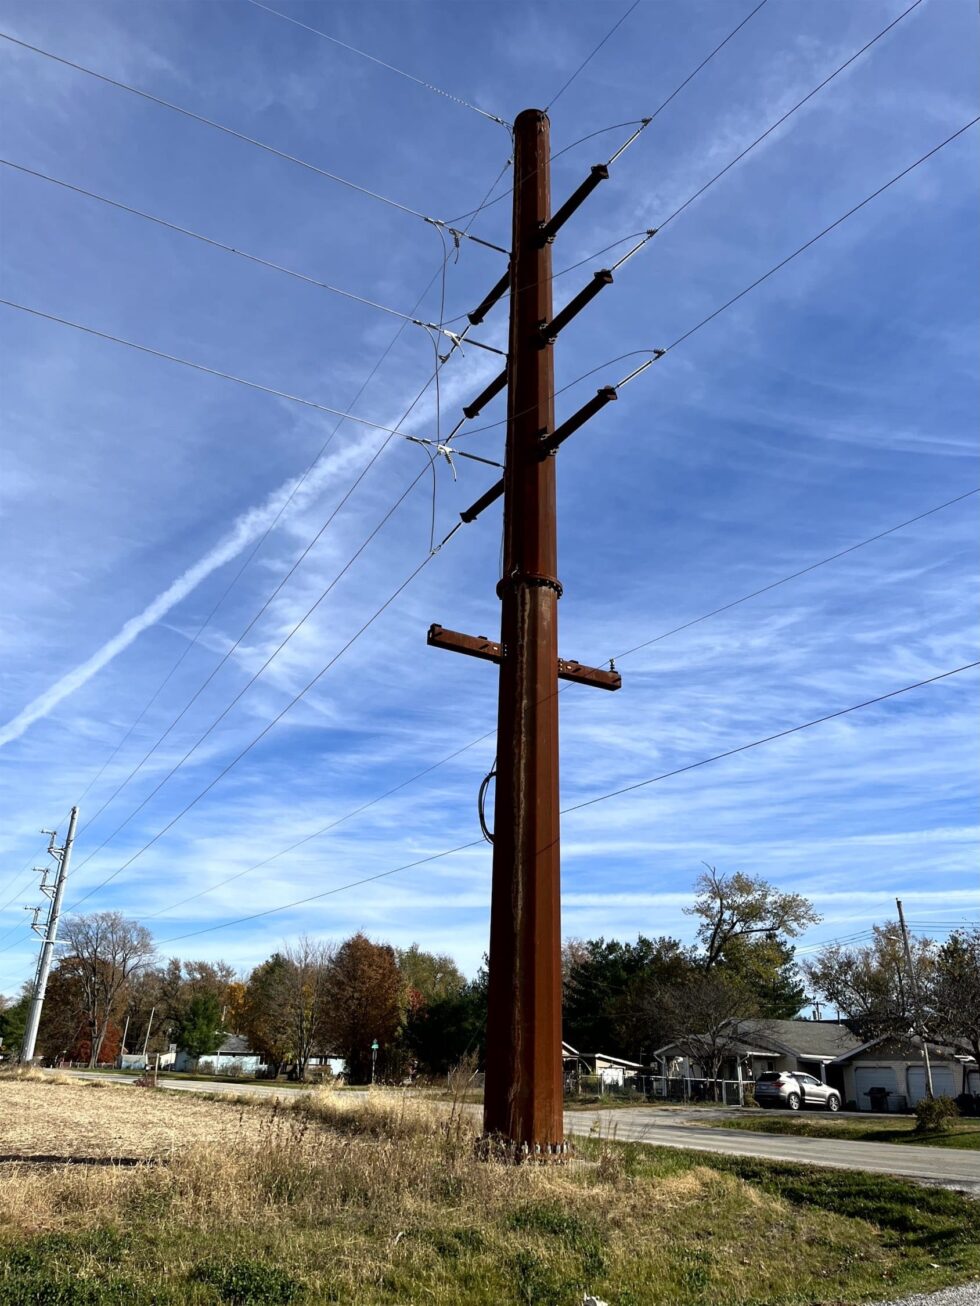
523 1085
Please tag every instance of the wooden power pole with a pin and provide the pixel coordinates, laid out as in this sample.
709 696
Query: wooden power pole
523 1085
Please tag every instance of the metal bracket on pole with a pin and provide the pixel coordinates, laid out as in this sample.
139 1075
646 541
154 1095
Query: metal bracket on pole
486 304
550 443
599 172
484 397
478 646
585 296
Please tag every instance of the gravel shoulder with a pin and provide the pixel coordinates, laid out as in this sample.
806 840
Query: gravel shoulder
968 1294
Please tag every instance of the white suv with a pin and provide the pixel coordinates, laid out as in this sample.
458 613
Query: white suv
793 1089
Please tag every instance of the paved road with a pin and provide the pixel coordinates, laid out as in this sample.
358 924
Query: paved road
249 1087
958 1169
683 1128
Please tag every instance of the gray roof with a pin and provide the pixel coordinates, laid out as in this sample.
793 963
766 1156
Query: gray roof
805 1038
817 1040
235 1045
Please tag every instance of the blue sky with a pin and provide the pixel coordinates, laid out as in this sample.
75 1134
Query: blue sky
836 400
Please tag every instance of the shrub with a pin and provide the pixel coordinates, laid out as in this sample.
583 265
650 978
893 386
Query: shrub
935 1115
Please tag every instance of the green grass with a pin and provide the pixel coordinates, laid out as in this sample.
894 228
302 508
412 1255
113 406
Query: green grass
381 1202
963 1134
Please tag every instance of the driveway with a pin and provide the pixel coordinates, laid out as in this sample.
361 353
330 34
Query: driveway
938 1165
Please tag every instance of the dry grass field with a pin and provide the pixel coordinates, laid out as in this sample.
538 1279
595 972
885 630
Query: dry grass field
169 1198
85 1121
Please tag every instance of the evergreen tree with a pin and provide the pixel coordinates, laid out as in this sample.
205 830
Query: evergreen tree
198 1030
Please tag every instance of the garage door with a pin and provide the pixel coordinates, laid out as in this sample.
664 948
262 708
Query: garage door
867 1077
943 1083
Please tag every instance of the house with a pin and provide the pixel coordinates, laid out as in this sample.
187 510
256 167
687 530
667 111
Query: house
233 1057
141 1060
610 1071
811 1046
896 1066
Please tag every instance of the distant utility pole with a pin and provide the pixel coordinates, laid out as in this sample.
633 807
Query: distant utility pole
523 1086
914 983
56 893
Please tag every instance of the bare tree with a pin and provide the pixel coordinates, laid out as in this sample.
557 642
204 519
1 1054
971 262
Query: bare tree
733 906
305 985
104 951
869 984
708 1018
953 991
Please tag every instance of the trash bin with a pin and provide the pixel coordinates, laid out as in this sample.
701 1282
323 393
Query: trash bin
879 1098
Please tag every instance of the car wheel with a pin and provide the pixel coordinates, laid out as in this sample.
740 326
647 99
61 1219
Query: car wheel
793 1101
833 1102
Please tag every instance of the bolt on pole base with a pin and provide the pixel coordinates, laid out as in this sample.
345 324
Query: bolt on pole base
494 1147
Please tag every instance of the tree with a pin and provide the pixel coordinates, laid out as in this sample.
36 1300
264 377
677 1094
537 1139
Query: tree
304 998
105 952
427 976
450 1028
63 1026
362 1003
732 907
198 1030
265 1015
869 984
606 1004
707 1016
953 992
767 967
13 1021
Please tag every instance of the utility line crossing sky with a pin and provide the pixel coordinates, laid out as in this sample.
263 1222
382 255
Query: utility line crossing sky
189 561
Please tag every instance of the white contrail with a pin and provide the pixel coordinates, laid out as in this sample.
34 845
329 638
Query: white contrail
246 528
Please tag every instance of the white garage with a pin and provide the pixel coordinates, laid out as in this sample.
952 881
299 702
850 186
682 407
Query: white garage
869 1077
943 1083
896 1065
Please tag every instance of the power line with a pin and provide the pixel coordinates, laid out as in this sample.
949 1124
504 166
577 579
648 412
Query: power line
642 122
666 775
820 234
429 86
297 626
439 363
282 509
230 651
216 244
489 734
720 46
780 734
588 59
822 562
655 229
262 539
265 730
249 683
788 114
228 131
814 239
766 275
199 367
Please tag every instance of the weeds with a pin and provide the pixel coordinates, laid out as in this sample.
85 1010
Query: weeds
380 1199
